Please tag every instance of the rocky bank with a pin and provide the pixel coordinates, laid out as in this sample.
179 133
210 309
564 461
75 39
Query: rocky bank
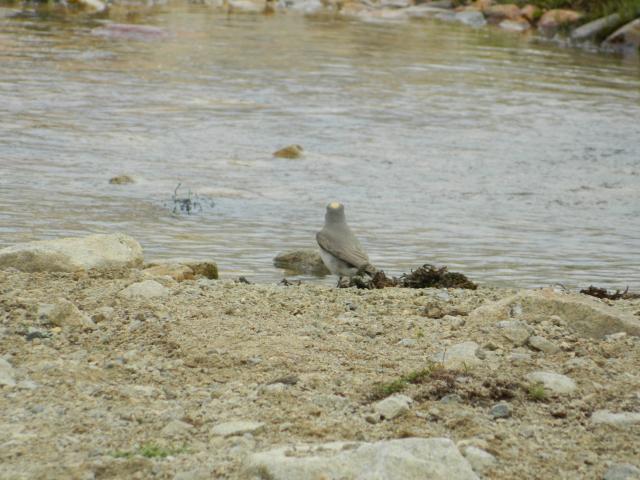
134 372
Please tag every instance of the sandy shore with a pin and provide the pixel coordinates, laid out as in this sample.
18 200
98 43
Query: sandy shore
95 384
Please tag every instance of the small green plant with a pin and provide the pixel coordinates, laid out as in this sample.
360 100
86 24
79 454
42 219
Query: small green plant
537 393
383 390
150 450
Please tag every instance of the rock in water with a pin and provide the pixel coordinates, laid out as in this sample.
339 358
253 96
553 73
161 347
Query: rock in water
121 180
406 459
72 254
292 151
625 39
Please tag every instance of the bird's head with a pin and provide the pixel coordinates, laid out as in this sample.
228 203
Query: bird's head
335 212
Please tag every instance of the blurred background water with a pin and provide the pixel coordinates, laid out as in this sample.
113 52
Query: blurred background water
510 161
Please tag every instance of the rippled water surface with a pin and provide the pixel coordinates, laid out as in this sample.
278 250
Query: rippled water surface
511 161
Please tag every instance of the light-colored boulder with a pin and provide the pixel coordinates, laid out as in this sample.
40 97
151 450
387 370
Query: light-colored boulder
301 262
392 407
621 419
542 344
585 315
406 459
7 374
239 427
590 30
145 289
554 382
72 254
462 355
479 459
514 330
625 39
552 20
63 313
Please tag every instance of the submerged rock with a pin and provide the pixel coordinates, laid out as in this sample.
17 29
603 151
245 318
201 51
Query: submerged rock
121 180
301 262
407 459
292 151
72 254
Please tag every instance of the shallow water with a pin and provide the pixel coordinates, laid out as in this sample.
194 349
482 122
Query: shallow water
511 161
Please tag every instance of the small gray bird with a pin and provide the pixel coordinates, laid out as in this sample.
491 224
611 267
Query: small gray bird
340 250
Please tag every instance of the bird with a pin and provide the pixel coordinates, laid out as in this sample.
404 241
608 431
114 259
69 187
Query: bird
340 250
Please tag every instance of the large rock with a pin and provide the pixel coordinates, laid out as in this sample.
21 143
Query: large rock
625 39
301 262
553 20
462 355
73 254
586 315
406 459
591 30
472 18
146 289
555 382
392 407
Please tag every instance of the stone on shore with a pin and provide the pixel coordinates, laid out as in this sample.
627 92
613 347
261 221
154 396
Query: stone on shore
553 20
622 471
497 13
472 18
178 272
515 25
7 374
479 459
239 427
554 382
622 419
542 344
591 30
392 407
408 459
74 253
625 39
301 262
462 355
585 315
531 13
205 268
63 313
146 289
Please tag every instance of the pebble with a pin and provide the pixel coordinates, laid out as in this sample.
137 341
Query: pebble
145 289
622 471
622 419
407 342
554 382
7 373
176 428
392 407
542 344
451 398
500 410
239 427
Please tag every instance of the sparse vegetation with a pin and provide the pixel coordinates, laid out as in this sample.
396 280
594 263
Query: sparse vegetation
537 393
150 450
383 390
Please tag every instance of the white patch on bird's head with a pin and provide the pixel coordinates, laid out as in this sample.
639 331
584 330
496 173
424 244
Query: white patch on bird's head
335 205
